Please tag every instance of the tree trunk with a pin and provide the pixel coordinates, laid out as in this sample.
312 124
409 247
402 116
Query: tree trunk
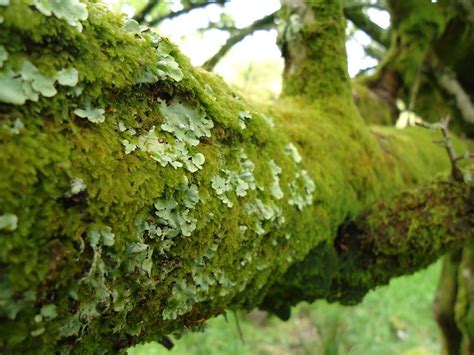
445 301
140 196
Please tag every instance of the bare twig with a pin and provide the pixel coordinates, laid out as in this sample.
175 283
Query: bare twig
443 126
264 23
185 10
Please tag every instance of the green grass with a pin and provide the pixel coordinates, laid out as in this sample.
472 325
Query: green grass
329 329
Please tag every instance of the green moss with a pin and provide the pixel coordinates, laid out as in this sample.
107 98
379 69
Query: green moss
142 249
372 108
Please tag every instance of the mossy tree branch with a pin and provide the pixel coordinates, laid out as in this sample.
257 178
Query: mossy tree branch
400 237
140 196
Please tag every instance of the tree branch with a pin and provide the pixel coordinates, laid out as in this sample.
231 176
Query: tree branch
185 10
140 16
389 239
448 82
356 15
266 22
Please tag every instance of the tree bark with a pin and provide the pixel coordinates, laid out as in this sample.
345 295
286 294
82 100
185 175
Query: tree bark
142 196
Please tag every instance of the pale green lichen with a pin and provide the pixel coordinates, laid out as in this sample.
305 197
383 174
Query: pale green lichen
239 182
166 65
187 125
140 257
94 115
72 11
77 186
14 127
16 87
133 26
8 222
269 212
276 189
293 153
37 332
49 311
122 127
244 117
3 55
129 147
161 150
301 190
269 120
101 236
95 280
208 90
68 77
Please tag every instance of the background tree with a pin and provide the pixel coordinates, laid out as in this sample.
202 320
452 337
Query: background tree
141 196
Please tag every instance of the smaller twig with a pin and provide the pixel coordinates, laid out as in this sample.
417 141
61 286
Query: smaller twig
439 141
443 126
466 155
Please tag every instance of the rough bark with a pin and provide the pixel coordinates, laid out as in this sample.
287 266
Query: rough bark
146 196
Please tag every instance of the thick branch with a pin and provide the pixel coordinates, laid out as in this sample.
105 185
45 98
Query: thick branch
238 35
389 239
448 82
193 6
357 16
